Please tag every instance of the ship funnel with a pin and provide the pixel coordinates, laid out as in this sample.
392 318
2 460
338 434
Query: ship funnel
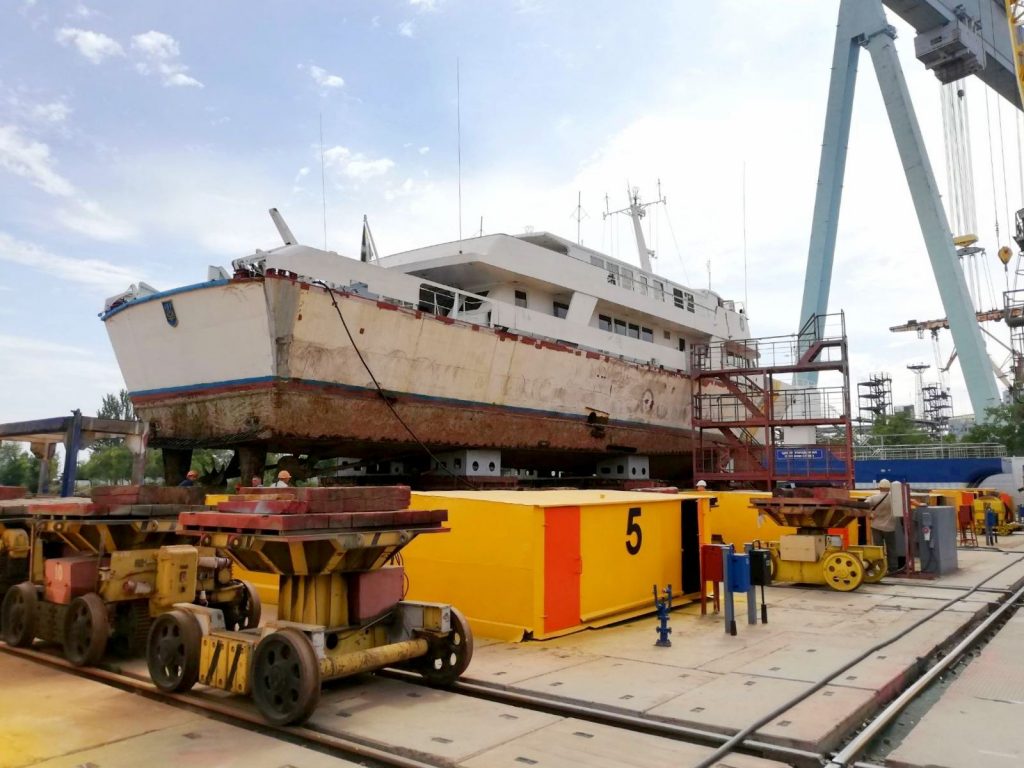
282 228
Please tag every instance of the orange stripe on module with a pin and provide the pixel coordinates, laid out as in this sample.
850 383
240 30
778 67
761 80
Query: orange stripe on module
562 568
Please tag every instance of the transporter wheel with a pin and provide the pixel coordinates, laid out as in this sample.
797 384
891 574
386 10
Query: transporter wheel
448 659
172 651
244 613
843 571
285 677
875 570
18 615
86 630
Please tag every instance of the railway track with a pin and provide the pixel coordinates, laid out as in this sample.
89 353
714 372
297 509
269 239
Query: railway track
239 711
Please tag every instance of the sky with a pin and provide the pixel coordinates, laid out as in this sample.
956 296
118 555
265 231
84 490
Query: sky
146 140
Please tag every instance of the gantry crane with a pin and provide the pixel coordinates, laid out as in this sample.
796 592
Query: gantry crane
952 43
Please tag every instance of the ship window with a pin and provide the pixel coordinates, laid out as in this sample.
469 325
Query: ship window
597 262
646 334
560 309
659 290
472 303
668 336
689 301
682 344
521 299
613 274
627 278
634 331
604 322
436 301
620 327
677 294
643 284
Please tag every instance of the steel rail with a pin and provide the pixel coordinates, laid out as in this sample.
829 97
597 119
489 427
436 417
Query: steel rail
616 719
338 745
740 736
883 718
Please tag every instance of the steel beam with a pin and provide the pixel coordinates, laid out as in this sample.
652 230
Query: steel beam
863 23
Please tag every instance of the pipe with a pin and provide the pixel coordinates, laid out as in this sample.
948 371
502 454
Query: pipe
370 659
740 736
857 745
214 563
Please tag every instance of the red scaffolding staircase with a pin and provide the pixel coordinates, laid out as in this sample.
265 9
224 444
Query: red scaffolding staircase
748 416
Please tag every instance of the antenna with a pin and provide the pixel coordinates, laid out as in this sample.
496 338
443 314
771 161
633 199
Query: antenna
579 214
458 129
637 211
746 300
481 226
323 178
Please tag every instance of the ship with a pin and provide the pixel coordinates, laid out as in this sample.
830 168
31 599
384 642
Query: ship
550 355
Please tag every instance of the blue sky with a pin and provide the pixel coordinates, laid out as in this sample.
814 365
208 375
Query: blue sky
146 140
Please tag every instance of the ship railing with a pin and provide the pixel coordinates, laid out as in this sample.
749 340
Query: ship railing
749 404
821 341
931 451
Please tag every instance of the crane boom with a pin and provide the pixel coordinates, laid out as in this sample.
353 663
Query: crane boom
1015 18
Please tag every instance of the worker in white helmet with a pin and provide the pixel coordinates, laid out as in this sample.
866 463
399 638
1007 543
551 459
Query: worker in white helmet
702 485
883 523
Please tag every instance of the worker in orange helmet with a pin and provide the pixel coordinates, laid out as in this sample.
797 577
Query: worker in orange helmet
190 479
283 478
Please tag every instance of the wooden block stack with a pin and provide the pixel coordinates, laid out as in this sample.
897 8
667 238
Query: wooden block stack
8 492
333 508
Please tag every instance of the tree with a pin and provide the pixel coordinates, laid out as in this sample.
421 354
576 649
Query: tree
19 467
897 429
1005 425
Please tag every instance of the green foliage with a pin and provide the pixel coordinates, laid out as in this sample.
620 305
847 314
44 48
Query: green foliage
19 467
897 429
1005 426
117 406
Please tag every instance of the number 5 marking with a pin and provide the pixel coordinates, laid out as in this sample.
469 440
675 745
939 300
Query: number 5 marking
633 529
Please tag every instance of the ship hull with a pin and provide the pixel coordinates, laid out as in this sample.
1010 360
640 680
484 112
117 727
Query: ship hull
268 362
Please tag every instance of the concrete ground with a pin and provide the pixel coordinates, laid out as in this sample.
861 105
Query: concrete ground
706 679
710 680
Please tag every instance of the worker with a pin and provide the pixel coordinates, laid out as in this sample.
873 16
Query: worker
883 523
190 479
282 479
702 485
991 521
257 482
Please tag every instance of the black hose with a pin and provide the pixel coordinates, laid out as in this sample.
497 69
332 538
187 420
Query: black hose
383 395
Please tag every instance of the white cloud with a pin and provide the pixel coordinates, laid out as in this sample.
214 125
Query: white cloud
160 52
95 46
96 274
53 112
407 29
324 78
88 218
82 11
375 21
31 160
425 5
424 150
356 165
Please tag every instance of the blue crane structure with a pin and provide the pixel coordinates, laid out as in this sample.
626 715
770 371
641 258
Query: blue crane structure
956 38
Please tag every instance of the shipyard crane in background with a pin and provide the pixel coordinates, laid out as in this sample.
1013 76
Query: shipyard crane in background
954 43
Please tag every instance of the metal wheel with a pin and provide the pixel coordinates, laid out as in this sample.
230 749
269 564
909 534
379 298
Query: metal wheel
18 615
843 571
86 629
172 651
448 659
245 612
285 677
874 571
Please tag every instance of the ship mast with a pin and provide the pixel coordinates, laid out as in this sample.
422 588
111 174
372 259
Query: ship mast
637 211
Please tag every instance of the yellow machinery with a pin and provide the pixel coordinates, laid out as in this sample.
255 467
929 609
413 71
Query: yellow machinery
340 612
979 499
812 555
14 551
97 579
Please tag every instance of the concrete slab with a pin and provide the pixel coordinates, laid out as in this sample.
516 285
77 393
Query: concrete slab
630 686
574 743
204 744
983 707
733 701
422 721
51 718
508 663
